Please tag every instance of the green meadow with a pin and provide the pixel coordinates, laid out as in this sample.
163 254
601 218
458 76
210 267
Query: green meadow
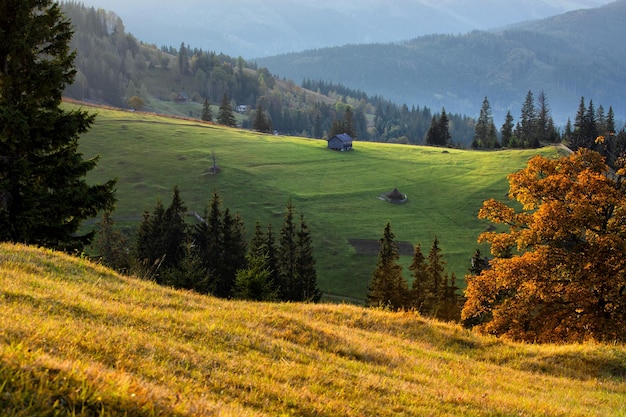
338 192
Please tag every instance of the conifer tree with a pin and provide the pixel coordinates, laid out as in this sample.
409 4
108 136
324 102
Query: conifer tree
225 115
526 132
43 193
207 114
419 272
305 265
111 245
485 136
506 131
287 257
232 254
150 247
260 121
207 237
174 230
271 257
254 282
435 288
388 289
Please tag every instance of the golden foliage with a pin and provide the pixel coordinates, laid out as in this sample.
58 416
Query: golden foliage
568 280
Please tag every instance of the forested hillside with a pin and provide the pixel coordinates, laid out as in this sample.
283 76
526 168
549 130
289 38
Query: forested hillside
568 56
115 67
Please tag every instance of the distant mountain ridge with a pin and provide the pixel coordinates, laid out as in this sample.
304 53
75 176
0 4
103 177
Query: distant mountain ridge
579 53
256 28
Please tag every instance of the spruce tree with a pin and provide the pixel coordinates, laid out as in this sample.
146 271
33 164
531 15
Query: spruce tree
260 122
506 131
271 257
232 254
435 288
305 265
387 288
527 131
43 193
419 272
485 136
254 282
111 245
225 115
150 247
207 237
287 257
207 114
174 230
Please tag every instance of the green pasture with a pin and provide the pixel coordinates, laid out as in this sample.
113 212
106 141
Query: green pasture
338 192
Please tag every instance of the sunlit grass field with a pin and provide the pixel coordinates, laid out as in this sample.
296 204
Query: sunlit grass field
338 192
79 340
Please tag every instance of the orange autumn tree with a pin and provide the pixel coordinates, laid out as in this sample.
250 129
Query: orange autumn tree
559 271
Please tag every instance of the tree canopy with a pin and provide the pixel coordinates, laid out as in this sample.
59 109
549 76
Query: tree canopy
43 194
567 279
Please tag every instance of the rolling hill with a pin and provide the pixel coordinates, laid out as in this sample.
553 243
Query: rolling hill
79 340
579 53
337 192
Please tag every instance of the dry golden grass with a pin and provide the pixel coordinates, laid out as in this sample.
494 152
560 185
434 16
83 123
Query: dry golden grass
77 339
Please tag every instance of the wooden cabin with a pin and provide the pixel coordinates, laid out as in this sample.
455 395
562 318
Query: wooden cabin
341 142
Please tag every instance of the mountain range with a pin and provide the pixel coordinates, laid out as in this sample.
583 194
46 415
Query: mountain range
572 55
256 28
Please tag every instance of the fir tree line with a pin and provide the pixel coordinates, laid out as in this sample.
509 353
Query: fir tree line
432 292
213 256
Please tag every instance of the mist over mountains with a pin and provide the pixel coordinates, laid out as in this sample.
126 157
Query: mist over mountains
569 56
446 53
256 28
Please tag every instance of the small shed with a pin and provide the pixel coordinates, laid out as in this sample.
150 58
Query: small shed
341 142
394 196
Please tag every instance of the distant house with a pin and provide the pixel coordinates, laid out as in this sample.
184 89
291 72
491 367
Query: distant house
181 98
242 108
341 142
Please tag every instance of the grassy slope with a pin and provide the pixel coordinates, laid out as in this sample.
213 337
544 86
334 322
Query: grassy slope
77 339
337 192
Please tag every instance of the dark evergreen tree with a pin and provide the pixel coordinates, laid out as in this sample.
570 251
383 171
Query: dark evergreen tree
579 137
207 114
506 131
43 193
287 258
526 133
232 254
478 263
419 272
183 60
305 265
254 282
271 257
110 245
348 122
225 115
150 247
257 246
485 136
174 230
439 131
388 289
190 274
207 238
260 122
444 128
436 286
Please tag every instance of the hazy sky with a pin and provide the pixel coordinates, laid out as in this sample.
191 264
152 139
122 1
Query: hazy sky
254 28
